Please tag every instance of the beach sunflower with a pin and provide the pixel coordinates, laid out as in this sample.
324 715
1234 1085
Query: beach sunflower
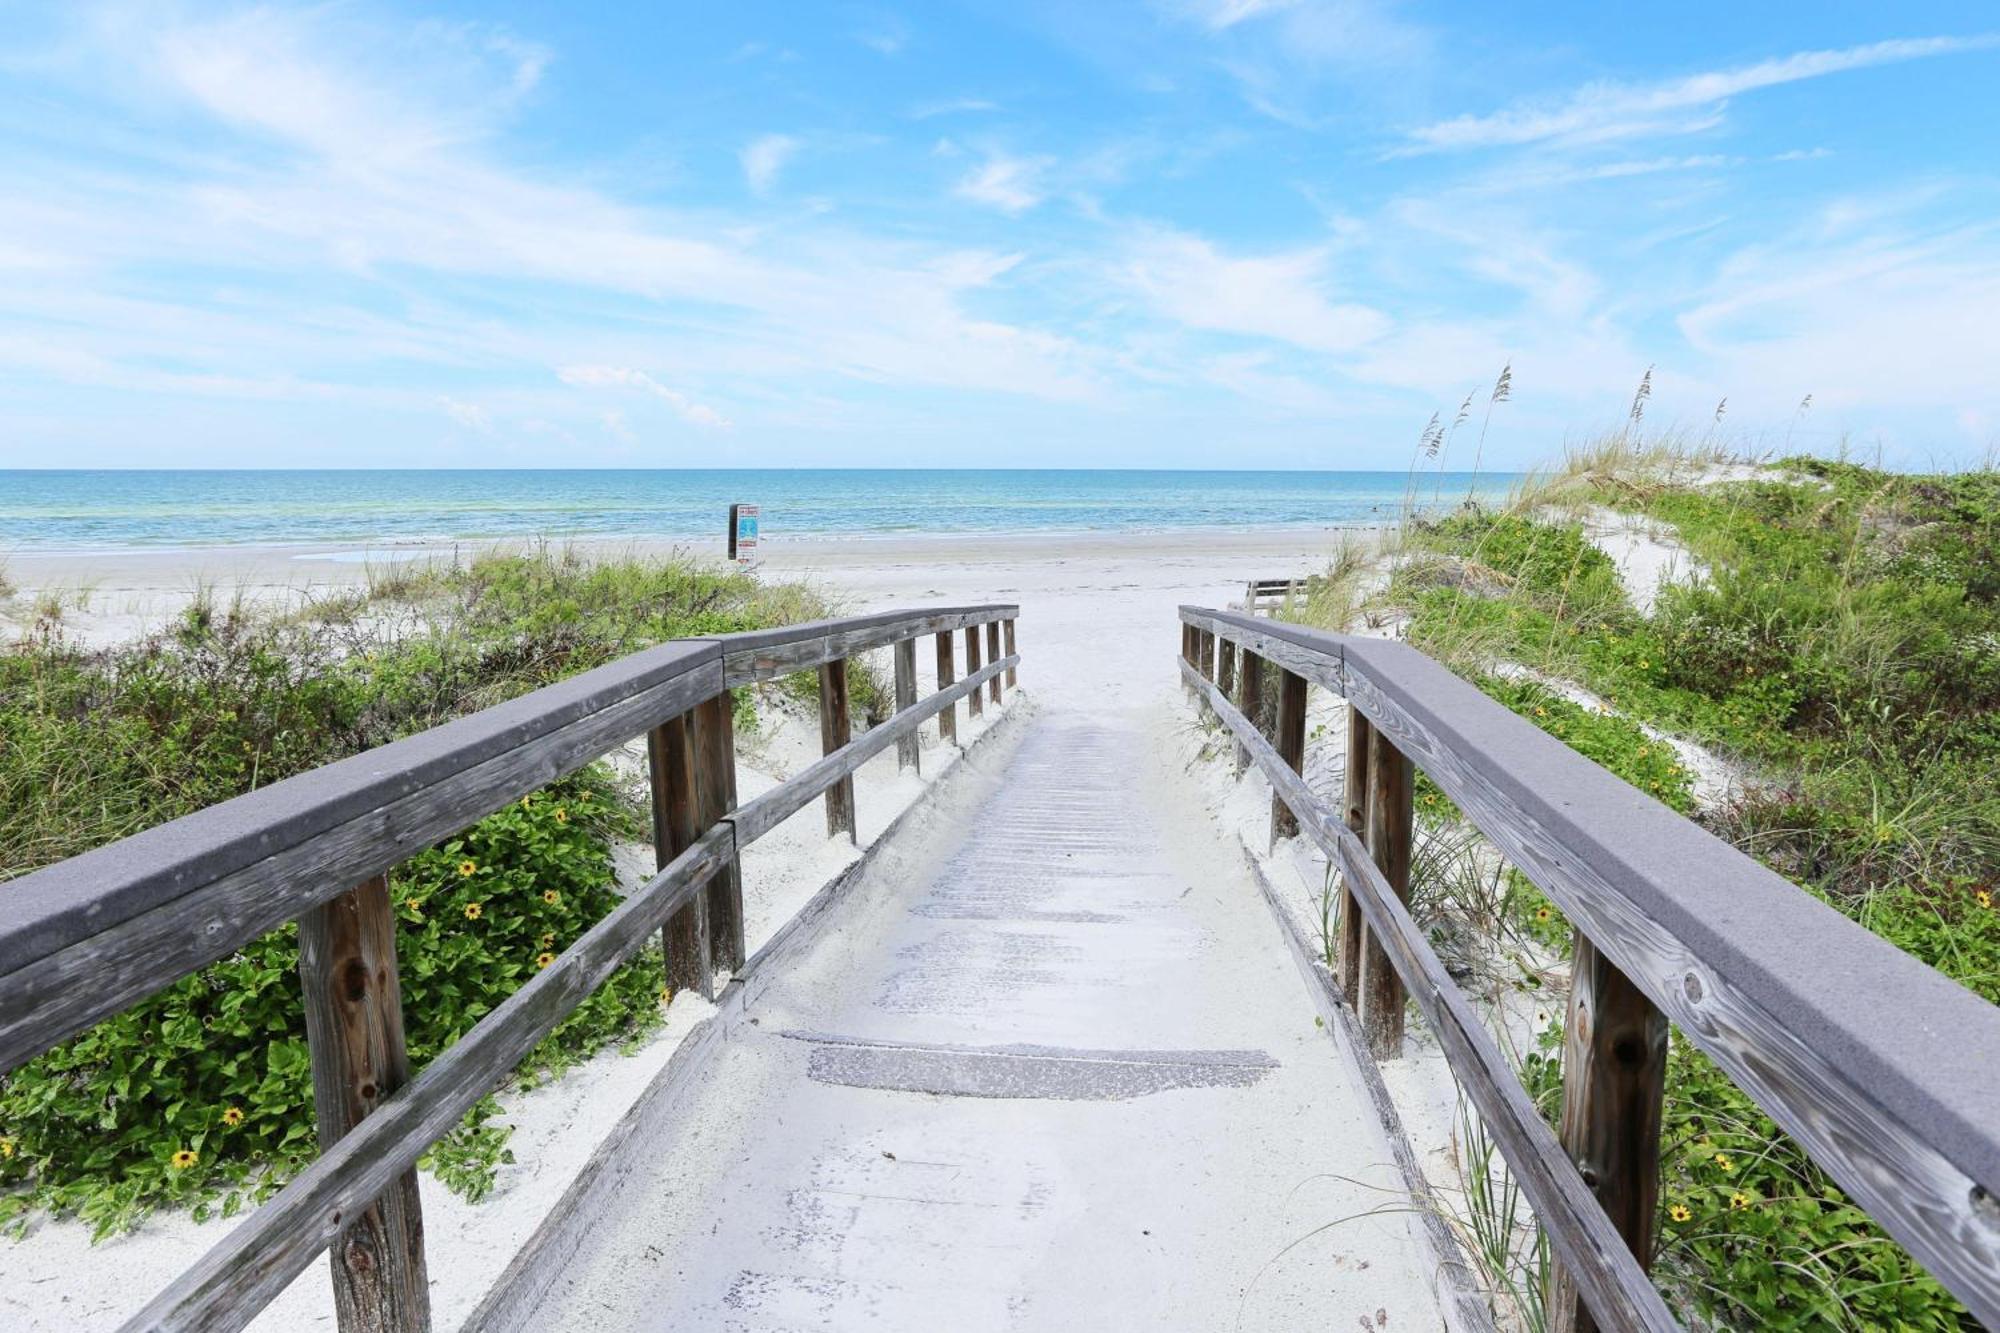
1984 897
1543 914
1680 1212
233 1116
1722 1159
562 815
1739 1201
6 1148
184 1159
549 940
472 911
551 897
544 959
467 869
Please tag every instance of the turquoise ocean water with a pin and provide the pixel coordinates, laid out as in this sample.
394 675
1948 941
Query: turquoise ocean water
107 510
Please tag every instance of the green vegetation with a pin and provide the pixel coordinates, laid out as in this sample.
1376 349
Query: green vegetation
1842 648
202 1094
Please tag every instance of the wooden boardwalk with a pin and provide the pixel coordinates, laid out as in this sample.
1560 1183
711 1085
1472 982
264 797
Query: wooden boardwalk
1057 1070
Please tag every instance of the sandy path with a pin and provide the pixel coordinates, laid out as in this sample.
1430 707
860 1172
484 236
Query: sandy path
1051 1068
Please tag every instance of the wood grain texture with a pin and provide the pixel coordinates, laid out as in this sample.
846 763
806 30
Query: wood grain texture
671 765
947 671
715 797
1225 667
836 729
993 654
1291 746
909 754
1391 825
354 1029
1250 697
1618 1290
1011 651
973 707
254 1262
1274 641
244 868
1353 934
1614 1087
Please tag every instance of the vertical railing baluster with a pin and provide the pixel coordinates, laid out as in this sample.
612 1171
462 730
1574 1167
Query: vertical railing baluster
1225 668
947 673
1355 814
354 1029
1010 653
715 797
1391 822
973 706
1250 700
1614 1082
1291 746
993 654
676 799
836 728
909 754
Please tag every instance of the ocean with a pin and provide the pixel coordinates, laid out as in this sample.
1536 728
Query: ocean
117 510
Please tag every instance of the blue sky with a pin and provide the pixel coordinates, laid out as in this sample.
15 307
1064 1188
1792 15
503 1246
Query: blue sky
1173 233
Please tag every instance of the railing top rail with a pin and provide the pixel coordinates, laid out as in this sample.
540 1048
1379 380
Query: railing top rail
1825 1024
764 654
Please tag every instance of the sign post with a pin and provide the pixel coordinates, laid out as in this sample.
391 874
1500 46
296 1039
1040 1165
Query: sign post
743 534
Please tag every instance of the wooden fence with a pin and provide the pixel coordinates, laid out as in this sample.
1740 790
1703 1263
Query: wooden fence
1885 1071
93 935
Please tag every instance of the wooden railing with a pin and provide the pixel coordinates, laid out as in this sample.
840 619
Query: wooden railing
1885 1071
91 936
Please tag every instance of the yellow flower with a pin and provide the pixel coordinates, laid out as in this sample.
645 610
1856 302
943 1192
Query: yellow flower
184 1159
1680 1212
551 897
6 1147
1644 664
549 939
528 801
1739 1201
1542 914
562 815
1541 711
1984 897
472 911
666 994
1722 1160
544 959
233 1116
1430 798
413 904
467 869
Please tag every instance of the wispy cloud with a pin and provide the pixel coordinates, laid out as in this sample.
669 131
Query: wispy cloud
469 415
1010 184
954 106
763 158
624 377
1277 296
1601 111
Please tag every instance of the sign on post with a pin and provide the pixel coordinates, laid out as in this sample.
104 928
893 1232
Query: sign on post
743 534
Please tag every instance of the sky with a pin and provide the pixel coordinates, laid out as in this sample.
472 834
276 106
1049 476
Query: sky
1116 233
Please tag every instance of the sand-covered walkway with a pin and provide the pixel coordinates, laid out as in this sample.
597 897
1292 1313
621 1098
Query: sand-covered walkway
1052 1067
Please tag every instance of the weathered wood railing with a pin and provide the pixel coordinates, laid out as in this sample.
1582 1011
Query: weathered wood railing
1885 1071
95 934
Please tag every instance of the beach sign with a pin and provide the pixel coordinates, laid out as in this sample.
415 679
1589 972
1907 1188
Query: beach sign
743 534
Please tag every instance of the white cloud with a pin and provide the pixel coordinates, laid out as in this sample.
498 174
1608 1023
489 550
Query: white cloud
1228 13
956 106
1608 110
1277 296
469 415
603 377
764 158
1010 184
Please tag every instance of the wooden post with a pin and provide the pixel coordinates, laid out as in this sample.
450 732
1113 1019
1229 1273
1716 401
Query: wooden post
1250 691
973 707
354 1028
1352 930
993 654
671 763
1010 653
946 674
1204 646
1614 1079
715 797
1291 744
908 753
836 728
1391 817
1225 667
